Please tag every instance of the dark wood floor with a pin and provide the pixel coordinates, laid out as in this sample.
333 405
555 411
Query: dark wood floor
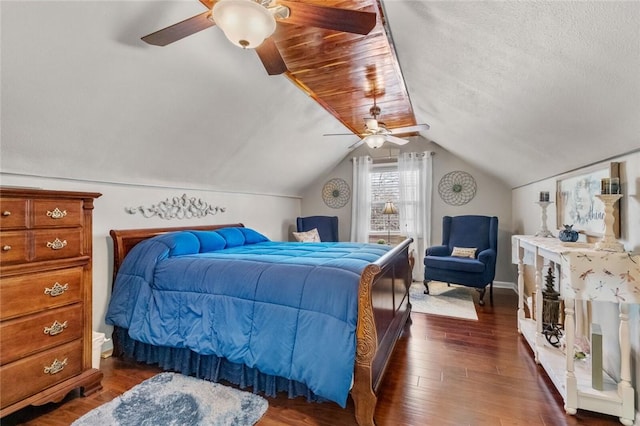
443 372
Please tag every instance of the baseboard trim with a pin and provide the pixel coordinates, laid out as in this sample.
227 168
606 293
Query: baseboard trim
505 284
496 284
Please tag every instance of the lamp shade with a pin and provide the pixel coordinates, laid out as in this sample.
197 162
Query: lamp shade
389 208
244 22
375 141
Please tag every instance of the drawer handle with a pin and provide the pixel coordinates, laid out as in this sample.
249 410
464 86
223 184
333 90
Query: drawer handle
56 328
6 213
56 290
55 367
6 248
56 213
57 244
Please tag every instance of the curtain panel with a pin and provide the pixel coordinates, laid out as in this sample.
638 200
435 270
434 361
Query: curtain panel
416 186
361 199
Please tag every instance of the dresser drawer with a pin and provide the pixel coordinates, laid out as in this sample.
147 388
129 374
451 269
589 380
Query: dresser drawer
57 244
13 213
14 247
53 213
34 333
32 374
26 294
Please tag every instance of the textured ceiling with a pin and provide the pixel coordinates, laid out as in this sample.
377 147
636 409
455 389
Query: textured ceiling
523 90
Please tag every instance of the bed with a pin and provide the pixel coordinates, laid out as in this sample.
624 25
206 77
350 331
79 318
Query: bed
380 305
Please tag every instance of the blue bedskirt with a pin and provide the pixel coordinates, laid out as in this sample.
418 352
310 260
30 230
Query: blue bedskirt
209 367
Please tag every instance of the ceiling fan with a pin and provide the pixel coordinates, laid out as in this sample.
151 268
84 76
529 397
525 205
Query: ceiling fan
250 23
376 132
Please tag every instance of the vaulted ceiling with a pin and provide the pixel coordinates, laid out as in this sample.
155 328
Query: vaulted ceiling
523 90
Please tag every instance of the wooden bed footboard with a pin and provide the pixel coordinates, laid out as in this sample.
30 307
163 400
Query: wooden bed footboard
383 310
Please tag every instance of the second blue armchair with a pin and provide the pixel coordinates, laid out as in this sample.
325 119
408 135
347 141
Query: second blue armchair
474 267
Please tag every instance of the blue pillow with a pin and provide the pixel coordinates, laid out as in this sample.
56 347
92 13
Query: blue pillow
180 243
252 237
233 237
210 241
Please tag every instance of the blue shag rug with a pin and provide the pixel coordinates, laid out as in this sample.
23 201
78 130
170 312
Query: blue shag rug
175 399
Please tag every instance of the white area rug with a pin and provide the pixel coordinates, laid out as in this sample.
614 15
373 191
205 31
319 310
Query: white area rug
177 400
454 301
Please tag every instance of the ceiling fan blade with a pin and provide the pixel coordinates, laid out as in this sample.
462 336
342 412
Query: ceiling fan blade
271 58
409 129
330 18
180 30
338 134
396 140
357 144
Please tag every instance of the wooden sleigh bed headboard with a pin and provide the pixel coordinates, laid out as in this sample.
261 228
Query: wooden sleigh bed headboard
125 239
383 310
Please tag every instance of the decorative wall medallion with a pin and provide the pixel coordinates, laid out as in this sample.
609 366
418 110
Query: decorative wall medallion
457 188
177 208
336 193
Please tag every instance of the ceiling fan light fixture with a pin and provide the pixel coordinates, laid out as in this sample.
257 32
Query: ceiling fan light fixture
375 141
371 124
244 22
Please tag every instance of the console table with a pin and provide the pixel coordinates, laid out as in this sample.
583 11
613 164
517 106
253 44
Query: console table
585 274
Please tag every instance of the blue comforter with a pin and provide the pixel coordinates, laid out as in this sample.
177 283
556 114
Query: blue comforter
287 309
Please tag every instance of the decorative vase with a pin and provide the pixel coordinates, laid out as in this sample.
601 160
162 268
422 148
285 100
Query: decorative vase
568 234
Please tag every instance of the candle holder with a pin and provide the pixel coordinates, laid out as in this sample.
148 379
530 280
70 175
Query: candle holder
608 241
543 231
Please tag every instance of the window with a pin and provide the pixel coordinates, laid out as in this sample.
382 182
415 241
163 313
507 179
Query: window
408 184
384 187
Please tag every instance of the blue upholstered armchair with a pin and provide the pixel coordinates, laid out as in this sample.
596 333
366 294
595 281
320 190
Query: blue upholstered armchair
452 264
327 226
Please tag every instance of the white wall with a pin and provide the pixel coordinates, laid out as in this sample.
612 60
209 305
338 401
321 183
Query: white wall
526 220
493 198
270 215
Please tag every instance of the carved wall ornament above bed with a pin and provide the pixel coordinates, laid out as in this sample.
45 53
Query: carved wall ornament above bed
177 208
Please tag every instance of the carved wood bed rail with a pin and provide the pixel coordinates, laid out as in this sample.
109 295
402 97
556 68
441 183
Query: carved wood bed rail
383 310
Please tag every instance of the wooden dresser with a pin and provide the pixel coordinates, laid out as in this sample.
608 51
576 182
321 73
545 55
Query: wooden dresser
45 296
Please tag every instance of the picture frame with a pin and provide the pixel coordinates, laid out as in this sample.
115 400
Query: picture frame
577 205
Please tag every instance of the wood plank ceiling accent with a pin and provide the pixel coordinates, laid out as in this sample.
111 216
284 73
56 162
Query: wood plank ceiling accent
343 71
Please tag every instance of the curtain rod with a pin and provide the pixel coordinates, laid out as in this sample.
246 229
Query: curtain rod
393 159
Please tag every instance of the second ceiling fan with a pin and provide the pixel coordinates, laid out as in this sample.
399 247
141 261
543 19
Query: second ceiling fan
250 23
376 132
